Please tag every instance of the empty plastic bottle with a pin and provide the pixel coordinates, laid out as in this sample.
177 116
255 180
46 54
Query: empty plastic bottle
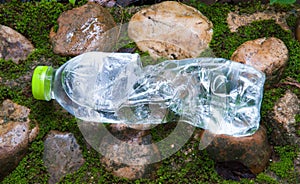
211 93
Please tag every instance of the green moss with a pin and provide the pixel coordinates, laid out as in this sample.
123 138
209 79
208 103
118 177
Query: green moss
291 20
250 7
297 119
263 178
178 170
11 70
120 14
285 167
31 167
33 20
92 171
8 93
270 97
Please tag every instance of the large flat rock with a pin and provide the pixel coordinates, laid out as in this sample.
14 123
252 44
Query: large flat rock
171 30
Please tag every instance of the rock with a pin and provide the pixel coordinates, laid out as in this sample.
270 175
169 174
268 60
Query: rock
170 29
83 29
268 55
13 45
283 123
15 135
236 20
129 154
62 155
251 151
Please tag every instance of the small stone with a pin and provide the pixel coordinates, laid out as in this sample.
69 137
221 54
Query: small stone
129 153
268 55
236 20
15 135
13 45
84 29
283 123
252 151
62 155
171 29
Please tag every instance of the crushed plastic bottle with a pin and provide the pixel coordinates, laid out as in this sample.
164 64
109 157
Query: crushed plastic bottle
211 93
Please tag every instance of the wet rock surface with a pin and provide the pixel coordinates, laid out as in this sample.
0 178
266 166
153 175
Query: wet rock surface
171 30
268 55
253 152
13 45
283 123
236 20
62 155
15 135
83 29
129 155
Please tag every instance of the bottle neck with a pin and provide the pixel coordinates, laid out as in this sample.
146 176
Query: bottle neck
48 83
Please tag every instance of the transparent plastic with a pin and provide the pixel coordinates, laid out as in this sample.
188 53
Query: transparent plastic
211 93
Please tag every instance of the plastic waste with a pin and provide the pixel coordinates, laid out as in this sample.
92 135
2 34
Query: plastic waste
216 94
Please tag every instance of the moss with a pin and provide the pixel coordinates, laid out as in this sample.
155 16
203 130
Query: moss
11 70
122 15
92 171
177 169
271 96
297 119
33 20
263 178
250 7
285 167
291 20
31 165
7 93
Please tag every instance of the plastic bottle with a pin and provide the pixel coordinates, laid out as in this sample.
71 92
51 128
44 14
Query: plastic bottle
211 93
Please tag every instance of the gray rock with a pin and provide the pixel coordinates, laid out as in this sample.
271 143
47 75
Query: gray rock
83 29
268 55
283 123
15 134
13 45
171 29
129 154
62 155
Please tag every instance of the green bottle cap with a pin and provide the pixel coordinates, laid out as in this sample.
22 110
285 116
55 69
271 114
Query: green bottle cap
41 82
